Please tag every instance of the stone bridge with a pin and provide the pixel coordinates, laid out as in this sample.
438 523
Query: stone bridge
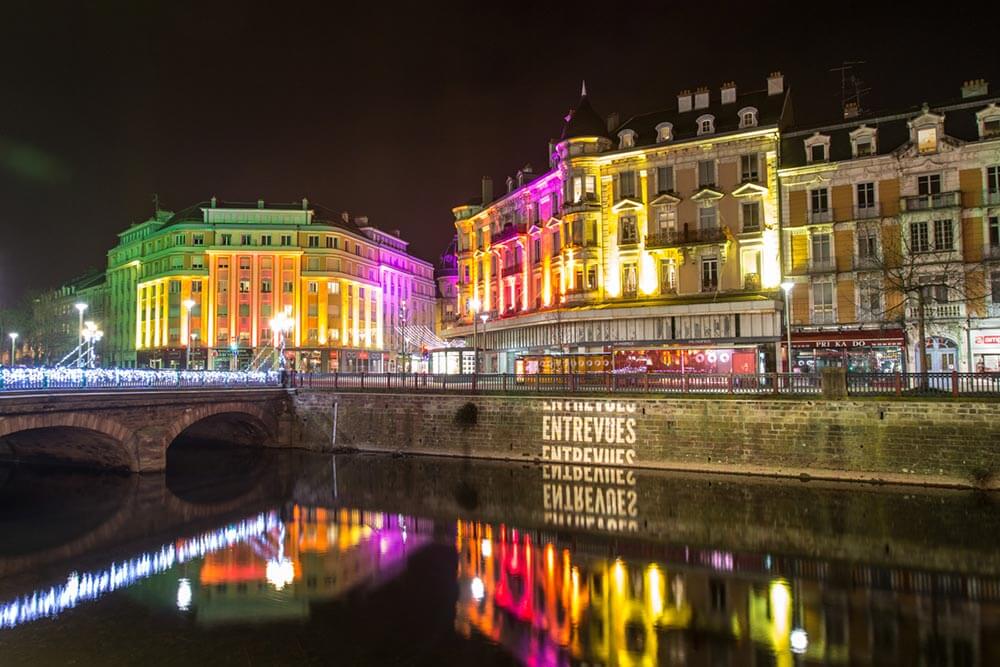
131 430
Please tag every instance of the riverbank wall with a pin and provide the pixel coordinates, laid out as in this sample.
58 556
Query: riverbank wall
926 442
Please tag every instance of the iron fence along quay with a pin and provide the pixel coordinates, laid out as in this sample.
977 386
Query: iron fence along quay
799 384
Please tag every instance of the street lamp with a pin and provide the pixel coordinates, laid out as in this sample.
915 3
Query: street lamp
402 322
483 317
91 334
188 307
280 325
787 287
234 347
80 307
474 305
13 339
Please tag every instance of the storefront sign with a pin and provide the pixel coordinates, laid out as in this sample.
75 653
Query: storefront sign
711 360
846 339
986 341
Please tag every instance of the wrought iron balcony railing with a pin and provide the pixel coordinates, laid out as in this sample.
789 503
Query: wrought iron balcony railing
686 236
931 201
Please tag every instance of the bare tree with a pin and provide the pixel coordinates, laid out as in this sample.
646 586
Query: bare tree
915 271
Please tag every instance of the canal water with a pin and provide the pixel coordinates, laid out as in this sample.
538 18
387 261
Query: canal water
247 557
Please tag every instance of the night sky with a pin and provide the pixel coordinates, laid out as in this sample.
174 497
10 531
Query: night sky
393 113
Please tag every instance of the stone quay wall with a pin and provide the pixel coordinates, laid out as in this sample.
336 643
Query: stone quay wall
945 443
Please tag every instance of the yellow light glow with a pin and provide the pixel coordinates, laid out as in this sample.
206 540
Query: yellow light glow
647 274
550 559
654 582
781 613
613 279
619 575
770 263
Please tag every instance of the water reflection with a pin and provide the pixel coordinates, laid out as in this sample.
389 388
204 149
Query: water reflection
554 604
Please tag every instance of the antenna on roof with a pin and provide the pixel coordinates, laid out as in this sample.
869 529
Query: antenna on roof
583 89
156 204
851 87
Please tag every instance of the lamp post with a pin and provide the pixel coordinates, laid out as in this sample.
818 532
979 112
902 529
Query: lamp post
787 287
80 307
483 317
188 307
402 322
280 324
13 341
234 348
474 306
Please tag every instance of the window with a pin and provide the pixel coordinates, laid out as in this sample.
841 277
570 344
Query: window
591 278
226 239
626 184
867 243
313 287
706 174
869 298
748 117
245 239
993 184
630 280
265 239
175 287
223 286
668 276
708 219
179 239
556 242
991 128
664 132
287 287
817 153
196 286
244 310
265 286
944 237
919 241
244 286
994 232
589 190
822 295
749 168
626 139
929 184
706 124
751 216
244 263
863 147
313 241
286 239
709 274
666 219
927 140
866 196
198 239
664 179
627 228
197 262
536 250
822 250
819 203
333 288
331 242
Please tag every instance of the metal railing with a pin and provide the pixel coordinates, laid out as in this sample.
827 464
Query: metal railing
31 379
950 383
686 235
931 201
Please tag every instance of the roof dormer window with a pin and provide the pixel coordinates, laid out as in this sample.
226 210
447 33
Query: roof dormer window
927 140
706 124
748 117
989 122
664 132
863 142
817 148
926 131
626 139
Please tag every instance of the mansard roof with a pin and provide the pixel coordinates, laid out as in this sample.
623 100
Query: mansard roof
892 129
322 215
583 121
772 110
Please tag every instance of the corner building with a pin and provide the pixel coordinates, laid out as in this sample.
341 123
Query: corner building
879 208
351 289
648 245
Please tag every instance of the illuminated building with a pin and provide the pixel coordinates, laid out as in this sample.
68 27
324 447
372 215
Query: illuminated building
54 327
658 232
348 287
878 204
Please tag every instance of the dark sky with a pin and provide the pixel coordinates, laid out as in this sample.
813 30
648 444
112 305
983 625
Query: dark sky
391 112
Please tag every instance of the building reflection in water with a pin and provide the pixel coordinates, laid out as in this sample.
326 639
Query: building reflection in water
550 605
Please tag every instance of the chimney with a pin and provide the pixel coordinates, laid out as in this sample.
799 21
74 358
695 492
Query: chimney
395 233
975 88
260 203
345 217
684 101
775 83
612 121
487 190
305 204
851 110
728 92
701 98
214 201
361 221
510 184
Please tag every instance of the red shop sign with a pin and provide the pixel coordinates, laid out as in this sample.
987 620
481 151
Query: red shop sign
846 339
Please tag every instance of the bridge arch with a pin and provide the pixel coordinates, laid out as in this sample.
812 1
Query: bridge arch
236 422
79 438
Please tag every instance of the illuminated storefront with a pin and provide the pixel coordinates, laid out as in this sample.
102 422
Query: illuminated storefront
874 351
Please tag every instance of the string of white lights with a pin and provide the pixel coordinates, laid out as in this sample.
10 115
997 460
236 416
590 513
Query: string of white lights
109 378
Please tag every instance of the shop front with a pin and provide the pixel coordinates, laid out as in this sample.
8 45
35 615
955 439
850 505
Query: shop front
985 350
878 351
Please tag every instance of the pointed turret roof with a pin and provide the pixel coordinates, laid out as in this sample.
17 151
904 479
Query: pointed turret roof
583 121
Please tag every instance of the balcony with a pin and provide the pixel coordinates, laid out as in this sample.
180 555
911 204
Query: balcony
820 216
991 198
509 232
938 311
512 270
588 203
868 212
822 265
867 262
823 315
931 201
686 236
751 282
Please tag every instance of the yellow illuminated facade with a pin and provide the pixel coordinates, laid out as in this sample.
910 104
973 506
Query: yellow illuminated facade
213 277
659 231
